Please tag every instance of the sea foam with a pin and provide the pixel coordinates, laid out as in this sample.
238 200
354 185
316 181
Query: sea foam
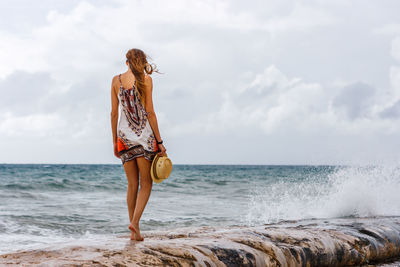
351 191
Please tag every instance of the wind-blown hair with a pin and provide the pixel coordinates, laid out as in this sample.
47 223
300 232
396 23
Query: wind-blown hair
137 61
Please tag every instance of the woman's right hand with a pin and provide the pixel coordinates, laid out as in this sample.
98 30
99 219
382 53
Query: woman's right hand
162 150
116 150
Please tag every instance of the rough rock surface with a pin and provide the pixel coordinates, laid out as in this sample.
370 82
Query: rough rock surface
331 242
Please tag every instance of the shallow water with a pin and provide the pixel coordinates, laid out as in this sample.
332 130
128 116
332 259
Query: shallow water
48 204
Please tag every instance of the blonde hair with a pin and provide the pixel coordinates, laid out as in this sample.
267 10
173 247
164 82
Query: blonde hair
137 61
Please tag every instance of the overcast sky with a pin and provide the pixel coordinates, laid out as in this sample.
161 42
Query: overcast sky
244 82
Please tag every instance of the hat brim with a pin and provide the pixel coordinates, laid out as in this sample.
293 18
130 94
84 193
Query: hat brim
153 169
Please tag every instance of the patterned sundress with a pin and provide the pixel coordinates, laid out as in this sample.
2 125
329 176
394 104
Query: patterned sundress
135 137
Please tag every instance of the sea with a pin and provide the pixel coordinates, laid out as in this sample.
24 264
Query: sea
44 205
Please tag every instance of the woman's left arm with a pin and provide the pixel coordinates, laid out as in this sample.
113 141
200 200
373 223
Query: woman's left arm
151 115
114 114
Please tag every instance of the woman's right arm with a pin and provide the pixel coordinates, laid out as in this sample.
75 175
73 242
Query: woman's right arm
114 113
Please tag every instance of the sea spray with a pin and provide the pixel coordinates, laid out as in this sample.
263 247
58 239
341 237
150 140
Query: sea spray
364 191
355 191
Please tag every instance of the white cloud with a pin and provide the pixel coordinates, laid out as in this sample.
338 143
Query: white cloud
38 125
233 70
396 48
394 75
76 44
387 29
274 102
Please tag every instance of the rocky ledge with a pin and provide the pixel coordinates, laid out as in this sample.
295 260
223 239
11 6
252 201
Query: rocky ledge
331 242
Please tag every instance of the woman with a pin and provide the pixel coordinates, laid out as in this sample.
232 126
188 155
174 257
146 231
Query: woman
136 137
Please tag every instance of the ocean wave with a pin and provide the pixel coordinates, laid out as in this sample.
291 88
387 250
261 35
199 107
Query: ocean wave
352 191
49 184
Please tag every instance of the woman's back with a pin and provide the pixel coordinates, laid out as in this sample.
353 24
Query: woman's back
131 107
134 134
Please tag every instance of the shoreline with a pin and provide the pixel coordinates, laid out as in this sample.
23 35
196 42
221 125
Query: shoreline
314 242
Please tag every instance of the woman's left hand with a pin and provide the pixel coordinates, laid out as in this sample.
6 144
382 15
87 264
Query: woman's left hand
162 150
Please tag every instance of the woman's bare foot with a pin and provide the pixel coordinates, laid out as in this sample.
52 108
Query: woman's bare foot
134 227
133 235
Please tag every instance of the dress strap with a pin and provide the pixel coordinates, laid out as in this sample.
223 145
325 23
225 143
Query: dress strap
120 83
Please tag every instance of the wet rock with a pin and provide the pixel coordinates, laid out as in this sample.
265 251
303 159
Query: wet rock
334 242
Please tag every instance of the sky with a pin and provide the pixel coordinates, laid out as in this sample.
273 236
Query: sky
243 82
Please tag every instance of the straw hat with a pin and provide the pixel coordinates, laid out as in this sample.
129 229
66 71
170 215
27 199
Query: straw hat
161 168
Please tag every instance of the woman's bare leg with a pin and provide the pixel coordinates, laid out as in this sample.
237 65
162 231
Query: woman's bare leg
146 183
132 175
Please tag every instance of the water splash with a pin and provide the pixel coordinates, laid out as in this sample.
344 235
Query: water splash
357 191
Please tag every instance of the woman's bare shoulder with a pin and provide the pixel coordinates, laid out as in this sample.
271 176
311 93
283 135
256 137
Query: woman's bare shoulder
115 82
115 79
